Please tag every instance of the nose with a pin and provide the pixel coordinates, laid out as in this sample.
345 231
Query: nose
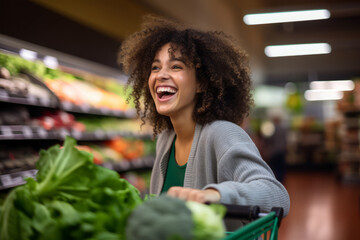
163 74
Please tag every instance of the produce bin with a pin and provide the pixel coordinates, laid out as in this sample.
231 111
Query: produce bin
262 225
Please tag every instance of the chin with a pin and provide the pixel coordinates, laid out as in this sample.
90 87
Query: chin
163 112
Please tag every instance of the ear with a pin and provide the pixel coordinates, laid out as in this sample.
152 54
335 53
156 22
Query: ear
199 88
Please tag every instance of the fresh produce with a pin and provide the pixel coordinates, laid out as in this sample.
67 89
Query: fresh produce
16 64
71 198
52 120
66 86
166 217
208 224
81 92
129 149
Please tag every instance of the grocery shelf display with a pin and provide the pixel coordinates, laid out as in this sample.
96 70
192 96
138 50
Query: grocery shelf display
41 104
349 134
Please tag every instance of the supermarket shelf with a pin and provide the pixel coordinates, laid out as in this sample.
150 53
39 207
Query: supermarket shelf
17 178
20 132
133 165
66 106
87 109
27 100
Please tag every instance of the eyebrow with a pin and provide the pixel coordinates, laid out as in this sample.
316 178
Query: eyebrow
171 60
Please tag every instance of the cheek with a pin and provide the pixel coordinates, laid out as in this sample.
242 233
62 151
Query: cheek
151 84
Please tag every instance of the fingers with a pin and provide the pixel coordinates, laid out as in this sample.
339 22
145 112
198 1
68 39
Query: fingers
196 195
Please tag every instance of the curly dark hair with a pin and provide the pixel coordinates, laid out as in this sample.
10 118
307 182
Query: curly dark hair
221 70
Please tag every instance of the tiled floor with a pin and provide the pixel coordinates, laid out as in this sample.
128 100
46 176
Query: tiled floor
321 208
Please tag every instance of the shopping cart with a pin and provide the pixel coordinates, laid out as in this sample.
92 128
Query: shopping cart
262 225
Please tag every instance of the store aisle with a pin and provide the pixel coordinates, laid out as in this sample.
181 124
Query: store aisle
321 208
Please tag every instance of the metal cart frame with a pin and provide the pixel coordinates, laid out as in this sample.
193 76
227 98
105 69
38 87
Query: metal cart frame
262 225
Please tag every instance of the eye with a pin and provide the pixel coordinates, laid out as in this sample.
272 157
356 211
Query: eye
176 67
154 68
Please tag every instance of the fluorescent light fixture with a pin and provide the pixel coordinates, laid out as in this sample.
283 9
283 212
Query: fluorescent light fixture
339 85
291 16
323 95
297 49
269 96
51 62
27 54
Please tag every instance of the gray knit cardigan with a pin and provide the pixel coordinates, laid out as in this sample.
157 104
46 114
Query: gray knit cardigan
223 157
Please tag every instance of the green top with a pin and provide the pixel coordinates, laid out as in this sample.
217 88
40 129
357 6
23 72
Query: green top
174 174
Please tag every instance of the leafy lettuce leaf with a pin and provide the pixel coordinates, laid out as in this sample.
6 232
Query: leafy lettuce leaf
71 198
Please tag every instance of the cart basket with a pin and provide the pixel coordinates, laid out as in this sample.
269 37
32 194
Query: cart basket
262 225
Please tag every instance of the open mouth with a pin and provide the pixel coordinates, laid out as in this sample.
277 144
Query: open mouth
164 93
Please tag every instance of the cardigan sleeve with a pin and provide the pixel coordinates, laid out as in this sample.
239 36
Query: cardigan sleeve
244 178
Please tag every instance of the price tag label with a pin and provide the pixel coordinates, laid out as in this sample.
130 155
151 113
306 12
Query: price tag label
31 99
130 113
44 101
116 113
85 107
66 105
104 110
7 132
4 94
27 132
148 161
108 165
77 134
64 132
124 165
30 173
6 180
18 180
42 133
99 134
137 163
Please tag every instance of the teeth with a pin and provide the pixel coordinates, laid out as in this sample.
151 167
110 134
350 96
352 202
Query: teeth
165 89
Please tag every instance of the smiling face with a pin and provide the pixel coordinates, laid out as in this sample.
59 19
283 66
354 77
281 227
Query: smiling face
172 84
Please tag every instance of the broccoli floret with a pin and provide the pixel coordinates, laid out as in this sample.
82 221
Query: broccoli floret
163 217
168 218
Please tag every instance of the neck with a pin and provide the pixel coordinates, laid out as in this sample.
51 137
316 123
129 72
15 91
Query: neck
184 129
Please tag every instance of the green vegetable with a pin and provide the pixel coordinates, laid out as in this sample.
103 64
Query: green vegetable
72 198
170 218
207 220
16 64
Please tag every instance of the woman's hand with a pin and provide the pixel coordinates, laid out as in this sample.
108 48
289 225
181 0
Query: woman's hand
209 195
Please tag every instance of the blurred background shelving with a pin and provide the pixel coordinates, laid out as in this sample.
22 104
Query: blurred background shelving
322 137
41 104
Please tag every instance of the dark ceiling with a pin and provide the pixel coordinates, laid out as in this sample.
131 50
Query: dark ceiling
94 29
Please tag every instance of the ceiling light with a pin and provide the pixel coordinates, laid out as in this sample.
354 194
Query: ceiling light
339 85
323 95
297 49
291 16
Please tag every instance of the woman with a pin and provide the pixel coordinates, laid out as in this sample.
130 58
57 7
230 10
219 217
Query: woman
194 88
